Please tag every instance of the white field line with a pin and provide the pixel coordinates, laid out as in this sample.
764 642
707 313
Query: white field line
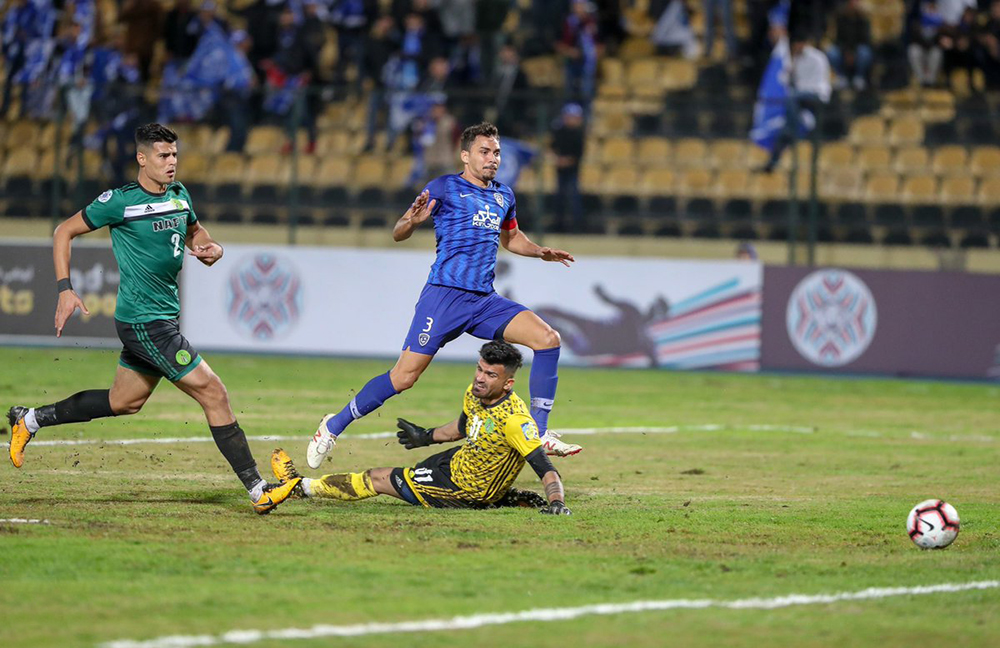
469 622
673 429
23 521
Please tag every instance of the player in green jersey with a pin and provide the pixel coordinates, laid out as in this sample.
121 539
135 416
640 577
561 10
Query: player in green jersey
151 221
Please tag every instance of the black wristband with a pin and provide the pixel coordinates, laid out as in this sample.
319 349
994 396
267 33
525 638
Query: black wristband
64 284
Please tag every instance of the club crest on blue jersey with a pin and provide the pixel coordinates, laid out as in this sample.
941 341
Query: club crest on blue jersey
499 198
487 218
530 430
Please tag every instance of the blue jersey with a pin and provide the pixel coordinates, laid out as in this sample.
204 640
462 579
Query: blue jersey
467 224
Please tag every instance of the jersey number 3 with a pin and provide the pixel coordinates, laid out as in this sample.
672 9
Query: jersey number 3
178 247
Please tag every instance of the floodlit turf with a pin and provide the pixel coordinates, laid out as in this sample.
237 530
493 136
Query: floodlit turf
154 540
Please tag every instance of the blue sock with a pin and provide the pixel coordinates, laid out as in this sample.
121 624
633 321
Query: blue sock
543 381
375 392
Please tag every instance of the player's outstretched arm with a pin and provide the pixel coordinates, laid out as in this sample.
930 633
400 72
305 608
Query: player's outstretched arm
201 244
62 249
554 493
419 211
518 242
413 436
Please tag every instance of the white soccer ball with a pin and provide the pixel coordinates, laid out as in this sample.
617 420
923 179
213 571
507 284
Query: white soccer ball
933 524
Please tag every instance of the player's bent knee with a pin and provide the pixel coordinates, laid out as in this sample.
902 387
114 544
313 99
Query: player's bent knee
403 380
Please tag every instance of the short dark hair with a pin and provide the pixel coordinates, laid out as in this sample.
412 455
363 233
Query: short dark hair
149 134
498 352
470 134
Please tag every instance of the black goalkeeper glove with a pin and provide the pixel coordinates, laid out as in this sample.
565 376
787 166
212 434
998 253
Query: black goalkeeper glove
413 436
555 508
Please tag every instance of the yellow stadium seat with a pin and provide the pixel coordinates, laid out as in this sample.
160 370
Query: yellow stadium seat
836 155
728 154
911 160
643 72
679 74
332 171
192 165
657 182
950 160
920 189
612 71
654 152
866 131
399 173
22 134
227 168
542 71
842 184
265 139
765 186
268 169
882 187
690 152
612 123
697 182
958 190
989 192
732 183
370 172
874 158
621 180
616 150
20 162
591 178
906 131
985 161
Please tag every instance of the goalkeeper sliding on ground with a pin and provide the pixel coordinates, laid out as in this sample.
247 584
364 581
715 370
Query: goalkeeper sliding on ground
500 437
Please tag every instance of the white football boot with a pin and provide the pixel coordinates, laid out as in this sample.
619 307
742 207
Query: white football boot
321 444
556 447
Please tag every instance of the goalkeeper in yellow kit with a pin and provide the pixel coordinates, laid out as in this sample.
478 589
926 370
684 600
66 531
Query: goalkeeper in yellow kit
500 437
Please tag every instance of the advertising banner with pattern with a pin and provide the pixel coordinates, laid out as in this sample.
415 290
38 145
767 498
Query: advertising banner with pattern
609 311
902 323
28 294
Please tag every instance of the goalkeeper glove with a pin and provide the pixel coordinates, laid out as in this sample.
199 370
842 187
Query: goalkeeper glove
555 508
413 436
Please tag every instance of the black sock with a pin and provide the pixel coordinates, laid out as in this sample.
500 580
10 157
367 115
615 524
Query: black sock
78 408
233 445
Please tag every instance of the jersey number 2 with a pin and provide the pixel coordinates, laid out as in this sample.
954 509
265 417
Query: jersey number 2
178 247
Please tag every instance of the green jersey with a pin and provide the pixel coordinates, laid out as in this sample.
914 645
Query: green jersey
148 232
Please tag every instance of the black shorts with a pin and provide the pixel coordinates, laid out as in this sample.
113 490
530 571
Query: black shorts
429 483
156 348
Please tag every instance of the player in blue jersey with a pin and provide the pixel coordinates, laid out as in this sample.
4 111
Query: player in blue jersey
472 215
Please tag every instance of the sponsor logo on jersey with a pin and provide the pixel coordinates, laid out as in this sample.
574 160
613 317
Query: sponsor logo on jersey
264 296
486 218
530 430
831 318
169 223
105 197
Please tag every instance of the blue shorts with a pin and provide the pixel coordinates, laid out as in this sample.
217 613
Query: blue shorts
443 313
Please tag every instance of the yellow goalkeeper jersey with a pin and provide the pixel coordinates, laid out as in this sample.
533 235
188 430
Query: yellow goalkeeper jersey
497 439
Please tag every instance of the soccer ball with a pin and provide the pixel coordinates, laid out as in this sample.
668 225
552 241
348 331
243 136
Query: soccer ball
932 524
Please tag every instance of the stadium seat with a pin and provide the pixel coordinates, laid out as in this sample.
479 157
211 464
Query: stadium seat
732 183
957 190
18 171
617 150
874 159
268 176
859 236
882 187
728 154
643 72
910 160
897 236
679 74
369 172
654 152
985 161
989 192
774 211
920 189
891 214
840 184
906 131
851 214
967 217
764 186
950 160
690 152
836 156
975 240
591 178
696 182
936 239
927 216
226 179
866 131
265 140
621 183
23 134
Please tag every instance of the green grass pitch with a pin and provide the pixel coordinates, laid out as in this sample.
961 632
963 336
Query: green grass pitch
772 485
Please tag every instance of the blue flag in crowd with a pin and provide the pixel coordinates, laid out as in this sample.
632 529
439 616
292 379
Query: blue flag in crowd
516 156
769 112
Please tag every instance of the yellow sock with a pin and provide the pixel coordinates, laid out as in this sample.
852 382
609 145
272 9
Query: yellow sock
346 487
